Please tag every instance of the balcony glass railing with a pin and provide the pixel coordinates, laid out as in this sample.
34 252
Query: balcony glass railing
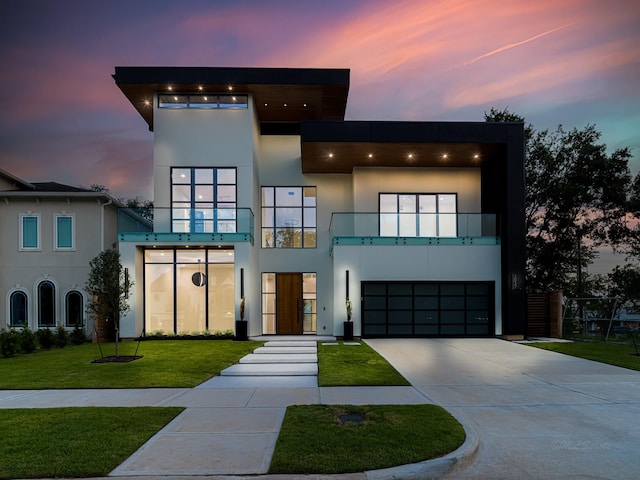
419 228
204 224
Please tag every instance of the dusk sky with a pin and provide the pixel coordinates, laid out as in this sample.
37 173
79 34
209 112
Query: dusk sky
63 119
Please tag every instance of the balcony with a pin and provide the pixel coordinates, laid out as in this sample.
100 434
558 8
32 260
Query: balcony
185 225
414 229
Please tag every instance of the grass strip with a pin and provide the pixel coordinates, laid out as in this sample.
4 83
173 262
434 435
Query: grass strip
74 442
165 363
354 365
313 439
618 354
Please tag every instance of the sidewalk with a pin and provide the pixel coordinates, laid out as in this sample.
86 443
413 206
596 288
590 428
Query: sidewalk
231 422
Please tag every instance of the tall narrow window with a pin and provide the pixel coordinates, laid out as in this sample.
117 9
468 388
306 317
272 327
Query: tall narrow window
46 304
203 200
73 309
29 232
18 309
289 217
418 215
64 232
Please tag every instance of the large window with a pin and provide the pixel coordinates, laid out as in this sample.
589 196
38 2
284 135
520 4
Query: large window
46 304
226 101
18 309
418 215
289 217
64 234
29 232
189 290
203 200
74 309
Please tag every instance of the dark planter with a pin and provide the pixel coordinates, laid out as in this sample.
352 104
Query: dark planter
348 331
241 331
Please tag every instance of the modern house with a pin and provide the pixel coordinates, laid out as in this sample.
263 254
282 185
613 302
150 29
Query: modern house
263 191
49 233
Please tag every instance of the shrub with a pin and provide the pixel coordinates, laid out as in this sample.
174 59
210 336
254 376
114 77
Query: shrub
9 343
27 339
78 336
61 337
45 338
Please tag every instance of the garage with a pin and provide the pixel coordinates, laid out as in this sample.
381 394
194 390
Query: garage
427 309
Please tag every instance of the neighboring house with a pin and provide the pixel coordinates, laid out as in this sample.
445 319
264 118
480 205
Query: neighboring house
48 235
264 191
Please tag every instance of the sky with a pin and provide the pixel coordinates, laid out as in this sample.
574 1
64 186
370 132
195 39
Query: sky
62 118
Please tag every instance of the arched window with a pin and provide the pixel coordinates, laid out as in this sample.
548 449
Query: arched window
18 309
46 304
74 308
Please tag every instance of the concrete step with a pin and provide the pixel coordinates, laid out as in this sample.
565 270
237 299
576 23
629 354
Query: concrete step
285 350
290 343
280 358
262 369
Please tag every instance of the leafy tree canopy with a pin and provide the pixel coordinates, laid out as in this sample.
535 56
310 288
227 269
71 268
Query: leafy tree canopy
578 198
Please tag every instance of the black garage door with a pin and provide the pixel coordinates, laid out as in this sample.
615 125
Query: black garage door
427 309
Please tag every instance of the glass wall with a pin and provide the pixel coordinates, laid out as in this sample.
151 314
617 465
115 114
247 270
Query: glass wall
189 290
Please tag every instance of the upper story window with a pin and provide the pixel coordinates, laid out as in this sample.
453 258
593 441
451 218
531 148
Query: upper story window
203 200
289 217
64 232
418 215
29 232
225 101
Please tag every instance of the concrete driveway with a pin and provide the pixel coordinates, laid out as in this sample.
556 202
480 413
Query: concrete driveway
538 414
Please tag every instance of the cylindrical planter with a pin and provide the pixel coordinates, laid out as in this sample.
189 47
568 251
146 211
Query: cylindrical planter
348 331
241 331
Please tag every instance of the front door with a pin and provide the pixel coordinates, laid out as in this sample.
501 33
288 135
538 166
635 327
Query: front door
289 304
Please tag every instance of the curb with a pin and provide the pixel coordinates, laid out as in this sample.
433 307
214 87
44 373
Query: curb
436 468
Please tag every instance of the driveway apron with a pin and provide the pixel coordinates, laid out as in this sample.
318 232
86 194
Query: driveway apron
538 414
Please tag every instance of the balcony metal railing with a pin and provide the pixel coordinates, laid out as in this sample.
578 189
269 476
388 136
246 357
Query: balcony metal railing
414 228
184 224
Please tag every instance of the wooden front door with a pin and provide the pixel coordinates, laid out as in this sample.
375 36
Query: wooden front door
289 303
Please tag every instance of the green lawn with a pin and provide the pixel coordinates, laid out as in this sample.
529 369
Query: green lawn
165 363
314 440
74 442
342 365
619 354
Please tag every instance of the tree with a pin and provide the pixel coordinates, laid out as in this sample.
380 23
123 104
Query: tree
109 288
577 199
142 207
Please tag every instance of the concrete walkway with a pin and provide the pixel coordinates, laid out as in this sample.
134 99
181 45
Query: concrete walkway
535 414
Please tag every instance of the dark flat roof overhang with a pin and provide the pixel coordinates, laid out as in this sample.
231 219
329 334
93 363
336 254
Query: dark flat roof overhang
281 95
338 147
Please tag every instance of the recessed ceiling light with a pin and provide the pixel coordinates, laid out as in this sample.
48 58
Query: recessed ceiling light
230 87
266 104
200 87
304 104
147 103
285 104
476 156
410 155
170 88
445 156
331 155
371 155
